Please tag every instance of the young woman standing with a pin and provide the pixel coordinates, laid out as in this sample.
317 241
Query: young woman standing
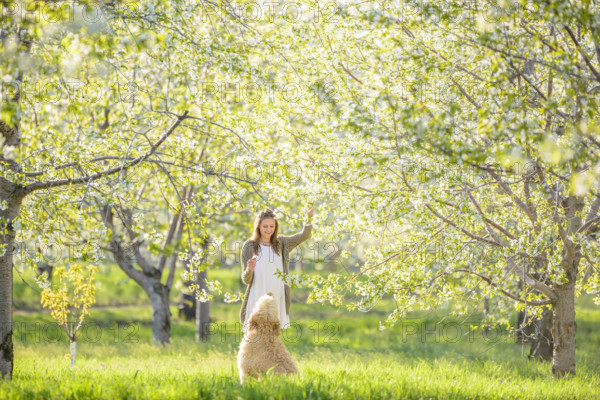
262 255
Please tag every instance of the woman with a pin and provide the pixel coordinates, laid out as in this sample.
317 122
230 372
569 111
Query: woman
262 255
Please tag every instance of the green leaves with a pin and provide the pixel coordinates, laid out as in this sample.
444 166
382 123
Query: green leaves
9 113
469 101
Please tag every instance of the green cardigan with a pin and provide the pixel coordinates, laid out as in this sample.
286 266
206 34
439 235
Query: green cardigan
286 245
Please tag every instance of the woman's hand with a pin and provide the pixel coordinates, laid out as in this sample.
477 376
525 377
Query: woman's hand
309 213
251 263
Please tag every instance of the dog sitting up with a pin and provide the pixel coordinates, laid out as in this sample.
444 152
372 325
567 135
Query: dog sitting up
262 350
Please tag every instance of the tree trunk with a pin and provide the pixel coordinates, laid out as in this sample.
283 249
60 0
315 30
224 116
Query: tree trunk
147 277
161 313
541 342
6 267
563 308
202 312
187 307
10 193
522 332
563 329
486 311
73 352
7 236
537 331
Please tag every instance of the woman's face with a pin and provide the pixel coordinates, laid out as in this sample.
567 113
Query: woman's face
267 227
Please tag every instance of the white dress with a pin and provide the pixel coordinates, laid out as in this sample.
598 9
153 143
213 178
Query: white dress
265 281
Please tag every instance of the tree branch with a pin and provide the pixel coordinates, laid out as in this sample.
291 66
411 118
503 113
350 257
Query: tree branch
515 198
127 219
85 179
534 283
466 232
487 220
173 260
568 243
118 253
504 292
471 100
175 222
479 238
585 58
592 215
518 71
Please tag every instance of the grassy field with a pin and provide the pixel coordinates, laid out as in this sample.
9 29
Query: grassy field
115 288
339 354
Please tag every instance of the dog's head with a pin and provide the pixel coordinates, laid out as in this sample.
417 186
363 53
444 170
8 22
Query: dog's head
265 315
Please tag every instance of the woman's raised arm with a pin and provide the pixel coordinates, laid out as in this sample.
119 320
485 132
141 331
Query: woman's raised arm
300 237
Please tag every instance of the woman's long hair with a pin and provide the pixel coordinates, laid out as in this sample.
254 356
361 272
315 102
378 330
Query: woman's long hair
256 235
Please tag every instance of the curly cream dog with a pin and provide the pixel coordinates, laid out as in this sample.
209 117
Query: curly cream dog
261 349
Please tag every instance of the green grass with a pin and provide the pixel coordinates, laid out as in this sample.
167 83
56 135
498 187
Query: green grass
114 287
350 358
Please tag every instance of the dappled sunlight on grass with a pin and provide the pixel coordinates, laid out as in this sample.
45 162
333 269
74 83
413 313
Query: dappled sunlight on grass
350 357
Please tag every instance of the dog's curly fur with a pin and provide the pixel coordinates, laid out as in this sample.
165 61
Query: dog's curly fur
262 350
